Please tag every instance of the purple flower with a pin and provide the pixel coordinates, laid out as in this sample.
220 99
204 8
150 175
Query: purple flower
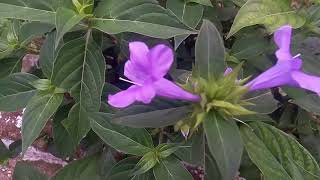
287 70
146 69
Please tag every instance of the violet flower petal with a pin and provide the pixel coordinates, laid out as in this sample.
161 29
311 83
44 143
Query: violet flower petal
146 69
123 98
161 58
168 89
307 81
146 93
135 72
275 76
282 38
138 66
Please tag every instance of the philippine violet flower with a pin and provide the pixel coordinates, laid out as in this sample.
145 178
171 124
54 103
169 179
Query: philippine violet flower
287 70
146 69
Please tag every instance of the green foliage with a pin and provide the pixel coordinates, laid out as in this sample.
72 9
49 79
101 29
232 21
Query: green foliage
133 16
210 52
171 169
271 13
288 159
86 168
16 91
38 111
83 48
188 13
132 141
224 143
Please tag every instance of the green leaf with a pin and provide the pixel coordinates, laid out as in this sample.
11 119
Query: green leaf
83 76
212 170
140 116
224 143
264 102
144 17
38 111
26 13
270 13
309 102
5 153
25 171
188 13
124 169
16 91
203 2
83 169
61 138
31 29
47 55
129 140
278 155
249 46
210 52
66 19
309 53
147 162
9 66
192 151
171 169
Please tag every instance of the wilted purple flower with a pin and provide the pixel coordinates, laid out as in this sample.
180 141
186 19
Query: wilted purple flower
287 70
146 69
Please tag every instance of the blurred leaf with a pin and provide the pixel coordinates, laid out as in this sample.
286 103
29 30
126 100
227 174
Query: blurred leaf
66 19
210 52
248 170
192 150
16 91
249 46
256 117
212 169
83 169
136 116
123 170
276 153
31 29
224 143
83 76
61 138
38 111
203 2
25 12
309 102
313 14
271 13
171 169
10 65
26 171
147 162
5 153
134 16
263 101
47 55
188 13
308 138
239 2
132 141
310 53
